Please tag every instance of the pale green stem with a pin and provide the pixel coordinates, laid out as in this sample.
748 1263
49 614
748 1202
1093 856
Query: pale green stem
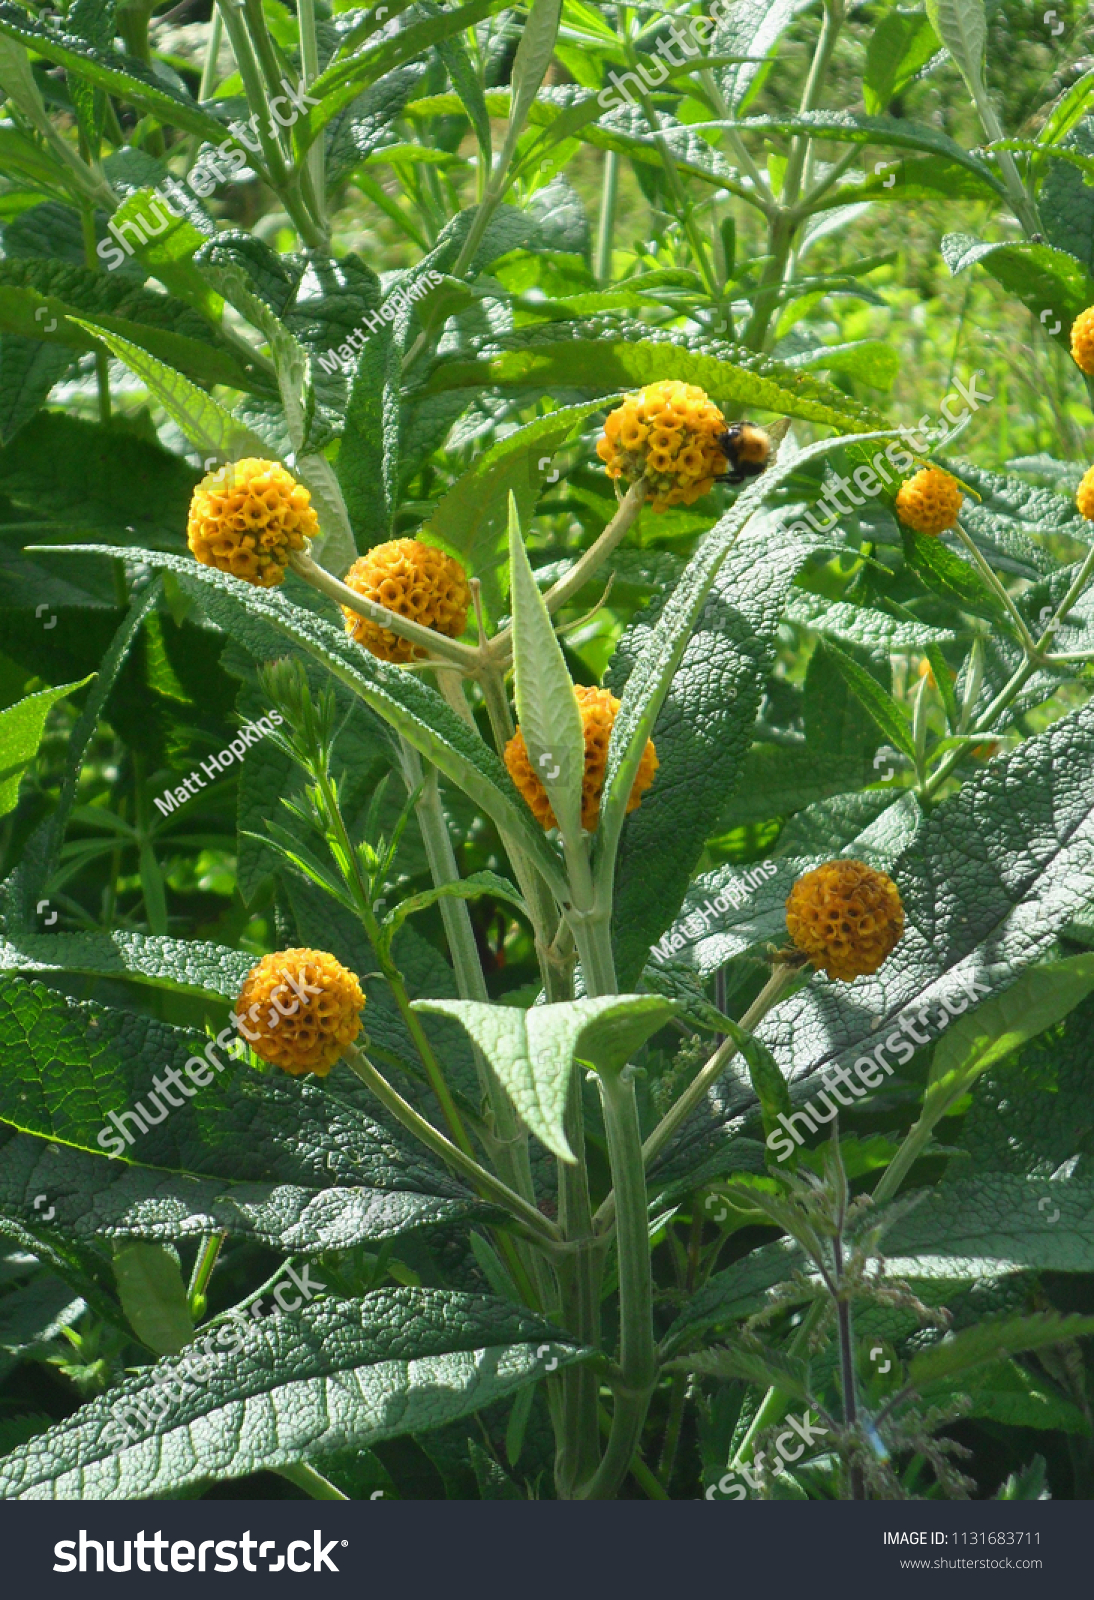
313 1483
1081 579
426 638
487 1185
782 978
991 578
606 230
316 156
637 1350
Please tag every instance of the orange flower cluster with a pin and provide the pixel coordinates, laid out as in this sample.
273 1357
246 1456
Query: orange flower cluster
598 708
299 1009
416 581
929 502
246 517
668 432
846 917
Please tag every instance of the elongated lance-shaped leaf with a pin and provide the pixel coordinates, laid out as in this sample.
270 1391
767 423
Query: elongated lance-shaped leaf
246 1396
872 697
547 709
962 25
263 620
533 1051
20 891
202 419
649 682
533 57
153 1296
21 728
1005 1336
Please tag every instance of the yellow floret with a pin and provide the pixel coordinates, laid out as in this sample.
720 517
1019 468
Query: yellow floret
298 1009
668 433
929 502
845 917
1084 496
414 580
598 708
246 517
1082 341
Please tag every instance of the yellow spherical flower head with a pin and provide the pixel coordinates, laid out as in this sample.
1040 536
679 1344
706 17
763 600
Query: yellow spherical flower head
929 502
415 581
1082 341
669 432
598 708
246 517
1084 496
845 917
298 1009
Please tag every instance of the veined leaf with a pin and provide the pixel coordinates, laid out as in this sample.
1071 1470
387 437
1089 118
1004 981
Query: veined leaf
533 1051
153 1296
336 1373
872 697
547 710
21 729
202 419
1052 284
962 25
1009 1336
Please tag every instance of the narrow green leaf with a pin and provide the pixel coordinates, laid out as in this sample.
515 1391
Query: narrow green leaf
988 1341
21 728
153 1296
962 25
873 699
547 709
201 418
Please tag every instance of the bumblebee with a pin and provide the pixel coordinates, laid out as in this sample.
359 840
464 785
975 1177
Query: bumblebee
747 449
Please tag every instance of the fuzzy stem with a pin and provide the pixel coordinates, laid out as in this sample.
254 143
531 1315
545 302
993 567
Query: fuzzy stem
608 194
435 643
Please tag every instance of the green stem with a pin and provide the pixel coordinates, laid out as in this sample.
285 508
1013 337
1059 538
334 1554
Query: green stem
309 63
426 638
1081 579
994 583
1002 700
313 1483
637 1350
490 1187
608 194
203 1271
102 367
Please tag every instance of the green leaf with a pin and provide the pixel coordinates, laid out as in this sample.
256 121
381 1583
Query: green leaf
703 733
962 26
281 1162
873 699
533 1051
768 1083
944 571
603 359
873 630
651 678
473 517
28 371
21 729
547 710
1007 1336
533 57
201 418
102 477
344 80
470 888
766 1369
20 891
153 1296
901 45
1066 201
899 133
1042 997
260 1396
996 1223
262 620
120 75
1050 283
